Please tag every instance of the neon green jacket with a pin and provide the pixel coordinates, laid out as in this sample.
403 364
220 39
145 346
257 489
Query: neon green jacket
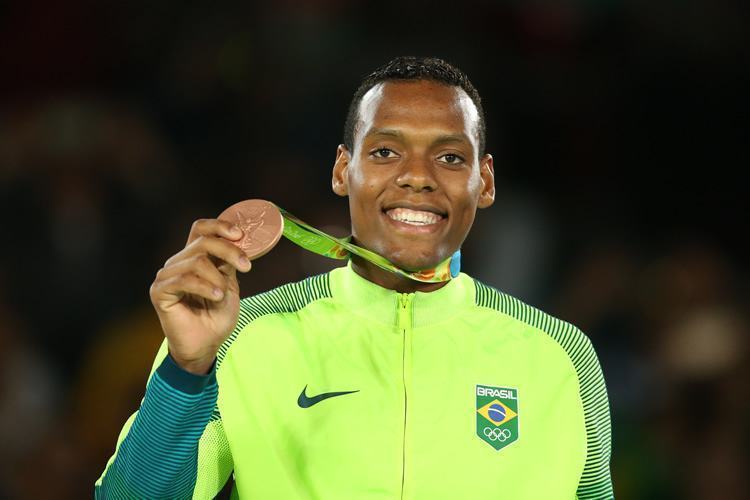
336 388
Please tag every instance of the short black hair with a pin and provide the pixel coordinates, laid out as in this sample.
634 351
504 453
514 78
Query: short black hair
413 68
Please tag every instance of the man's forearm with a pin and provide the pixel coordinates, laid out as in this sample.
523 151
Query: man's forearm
158 457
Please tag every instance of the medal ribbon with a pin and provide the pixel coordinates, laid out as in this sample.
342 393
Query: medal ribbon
315 240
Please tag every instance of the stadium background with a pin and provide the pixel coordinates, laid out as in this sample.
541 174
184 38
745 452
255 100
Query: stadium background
618 128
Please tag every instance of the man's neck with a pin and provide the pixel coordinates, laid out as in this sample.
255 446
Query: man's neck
392 281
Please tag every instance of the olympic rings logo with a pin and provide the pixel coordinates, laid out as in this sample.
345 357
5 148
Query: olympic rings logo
497 434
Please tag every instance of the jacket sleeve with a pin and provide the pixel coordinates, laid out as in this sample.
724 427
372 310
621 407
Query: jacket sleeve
596 480
174 446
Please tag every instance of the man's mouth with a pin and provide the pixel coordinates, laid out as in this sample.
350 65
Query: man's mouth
414 217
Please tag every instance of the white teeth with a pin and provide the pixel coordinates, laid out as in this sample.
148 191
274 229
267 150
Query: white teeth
415 217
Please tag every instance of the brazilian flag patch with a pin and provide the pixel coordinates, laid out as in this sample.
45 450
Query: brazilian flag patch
497 415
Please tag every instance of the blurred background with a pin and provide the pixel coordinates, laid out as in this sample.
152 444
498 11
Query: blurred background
619 131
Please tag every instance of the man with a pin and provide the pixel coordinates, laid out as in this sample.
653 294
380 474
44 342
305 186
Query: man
361 383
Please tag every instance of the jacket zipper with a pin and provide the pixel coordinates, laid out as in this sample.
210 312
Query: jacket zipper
404 325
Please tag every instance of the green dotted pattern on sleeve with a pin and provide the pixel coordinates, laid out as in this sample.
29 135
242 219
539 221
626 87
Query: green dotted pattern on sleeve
595 481
215 462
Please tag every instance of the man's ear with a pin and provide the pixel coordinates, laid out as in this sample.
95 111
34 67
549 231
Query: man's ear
340 179
487 174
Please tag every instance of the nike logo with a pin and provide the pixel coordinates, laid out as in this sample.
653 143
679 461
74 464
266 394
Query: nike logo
306 402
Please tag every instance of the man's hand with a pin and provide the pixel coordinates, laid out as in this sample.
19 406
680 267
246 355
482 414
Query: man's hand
196 294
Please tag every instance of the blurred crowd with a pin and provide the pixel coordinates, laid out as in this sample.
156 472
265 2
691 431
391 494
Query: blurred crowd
615 127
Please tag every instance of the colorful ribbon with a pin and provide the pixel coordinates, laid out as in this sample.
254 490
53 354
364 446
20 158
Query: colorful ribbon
315 240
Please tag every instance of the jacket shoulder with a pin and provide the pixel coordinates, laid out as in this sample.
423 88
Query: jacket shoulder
573 341
287 298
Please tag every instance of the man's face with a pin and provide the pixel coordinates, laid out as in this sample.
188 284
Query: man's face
414 179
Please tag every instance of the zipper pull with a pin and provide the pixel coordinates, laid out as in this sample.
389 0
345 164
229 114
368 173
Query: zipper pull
404 317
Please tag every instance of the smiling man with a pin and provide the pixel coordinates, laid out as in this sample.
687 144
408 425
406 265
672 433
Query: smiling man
363 383
414 168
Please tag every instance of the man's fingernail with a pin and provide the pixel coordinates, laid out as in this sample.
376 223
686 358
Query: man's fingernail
244 262
236 231
218 293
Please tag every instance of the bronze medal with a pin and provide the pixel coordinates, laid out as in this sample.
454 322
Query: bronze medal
261 224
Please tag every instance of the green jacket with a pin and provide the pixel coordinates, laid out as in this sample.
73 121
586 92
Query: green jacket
464 392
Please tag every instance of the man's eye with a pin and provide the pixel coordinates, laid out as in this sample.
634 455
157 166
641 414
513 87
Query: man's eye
451 159
383 153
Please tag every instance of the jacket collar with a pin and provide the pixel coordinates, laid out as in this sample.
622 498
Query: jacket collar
380 304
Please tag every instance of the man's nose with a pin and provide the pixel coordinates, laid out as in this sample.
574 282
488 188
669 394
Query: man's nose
417 174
